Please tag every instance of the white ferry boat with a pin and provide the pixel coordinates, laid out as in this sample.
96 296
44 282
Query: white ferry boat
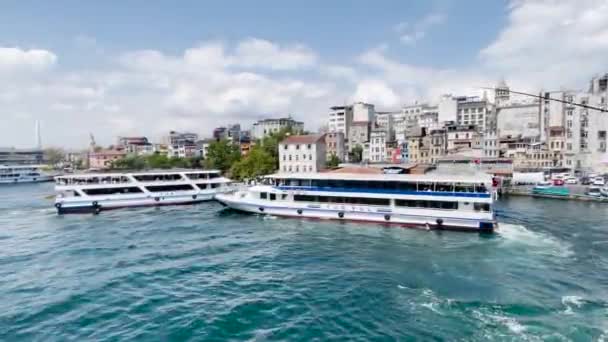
101 191
11 174
426 201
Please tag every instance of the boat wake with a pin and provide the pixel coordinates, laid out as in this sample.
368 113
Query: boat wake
538 242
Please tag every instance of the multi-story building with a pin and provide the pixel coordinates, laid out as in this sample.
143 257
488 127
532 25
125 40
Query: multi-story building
359 134
14 156
473 111
384 120
335 145
340 119
437 144
183 145
265 127
135 145
363 112
583 128
462 137
516 117
379 137
103 159
302 153
415 145
220 133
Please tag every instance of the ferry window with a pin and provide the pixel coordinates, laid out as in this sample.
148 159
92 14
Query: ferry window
177 187
404 186
336 199
485 207
197 175
376 201
112 191
263 195
449 205
273 197
434 204
304 198
214 175
202 186
426 186
464 187
323 199
283 196
215 185
481 188
444 187
405 203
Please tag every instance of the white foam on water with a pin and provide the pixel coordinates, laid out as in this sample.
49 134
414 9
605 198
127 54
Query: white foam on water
572 301
519 234
509 322
269 217
401 287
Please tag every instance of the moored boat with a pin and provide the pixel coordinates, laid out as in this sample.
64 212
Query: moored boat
101 191
12 174
426 201
551 190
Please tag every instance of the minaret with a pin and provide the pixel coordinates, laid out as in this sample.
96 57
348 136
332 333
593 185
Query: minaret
38 136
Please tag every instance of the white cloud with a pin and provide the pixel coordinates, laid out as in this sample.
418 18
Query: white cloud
411 33
261 53
551 43
17 59
377 92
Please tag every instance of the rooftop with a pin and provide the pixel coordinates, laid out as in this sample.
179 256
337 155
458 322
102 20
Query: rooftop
429 177
302 139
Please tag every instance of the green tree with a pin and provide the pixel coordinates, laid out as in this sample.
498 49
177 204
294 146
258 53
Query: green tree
129 163
333 161
222 155
257 163
53 155
356 155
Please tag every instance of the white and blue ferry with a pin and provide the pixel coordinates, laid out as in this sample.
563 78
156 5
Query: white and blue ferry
427 201
94 192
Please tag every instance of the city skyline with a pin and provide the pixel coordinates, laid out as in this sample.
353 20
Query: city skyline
197 73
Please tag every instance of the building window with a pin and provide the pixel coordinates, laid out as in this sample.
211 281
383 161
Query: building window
290 157
297 147
309 146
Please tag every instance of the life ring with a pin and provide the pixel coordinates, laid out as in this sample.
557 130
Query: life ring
157 199
387 217
193 197
300 211
95 204
341 214
261 209
57 205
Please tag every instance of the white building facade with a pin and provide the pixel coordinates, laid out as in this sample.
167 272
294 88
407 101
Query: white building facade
302 153
265 127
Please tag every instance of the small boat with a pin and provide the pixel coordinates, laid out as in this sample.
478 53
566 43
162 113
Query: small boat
604 191
95 192
424 201
550 190
594 191
12 174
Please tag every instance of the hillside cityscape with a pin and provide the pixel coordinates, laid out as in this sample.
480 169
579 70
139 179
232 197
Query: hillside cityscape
548 130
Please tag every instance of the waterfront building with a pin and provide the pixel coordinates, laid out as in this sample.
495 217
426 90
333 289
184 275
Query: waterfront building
385 120
302 153
264 127
182 138
15 156
135 145
183 145
103 159
203 147
462 137
335 145
415 142
379 137
516 117
584 130
438 144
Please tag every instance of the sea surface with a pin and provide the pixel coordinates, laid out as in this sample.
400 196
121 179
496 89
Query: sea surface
202 273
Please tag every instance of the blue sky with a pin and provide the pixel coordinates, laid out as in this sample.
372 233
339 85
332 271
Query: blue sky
142 67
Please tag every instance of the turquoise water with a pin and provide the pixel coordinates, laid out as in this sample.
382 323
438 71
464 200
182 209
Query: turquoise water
203 273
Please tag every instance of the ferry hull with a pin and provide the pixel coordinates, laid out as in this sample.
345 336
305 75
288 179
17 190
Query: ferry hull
40 179
97 206
410 221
